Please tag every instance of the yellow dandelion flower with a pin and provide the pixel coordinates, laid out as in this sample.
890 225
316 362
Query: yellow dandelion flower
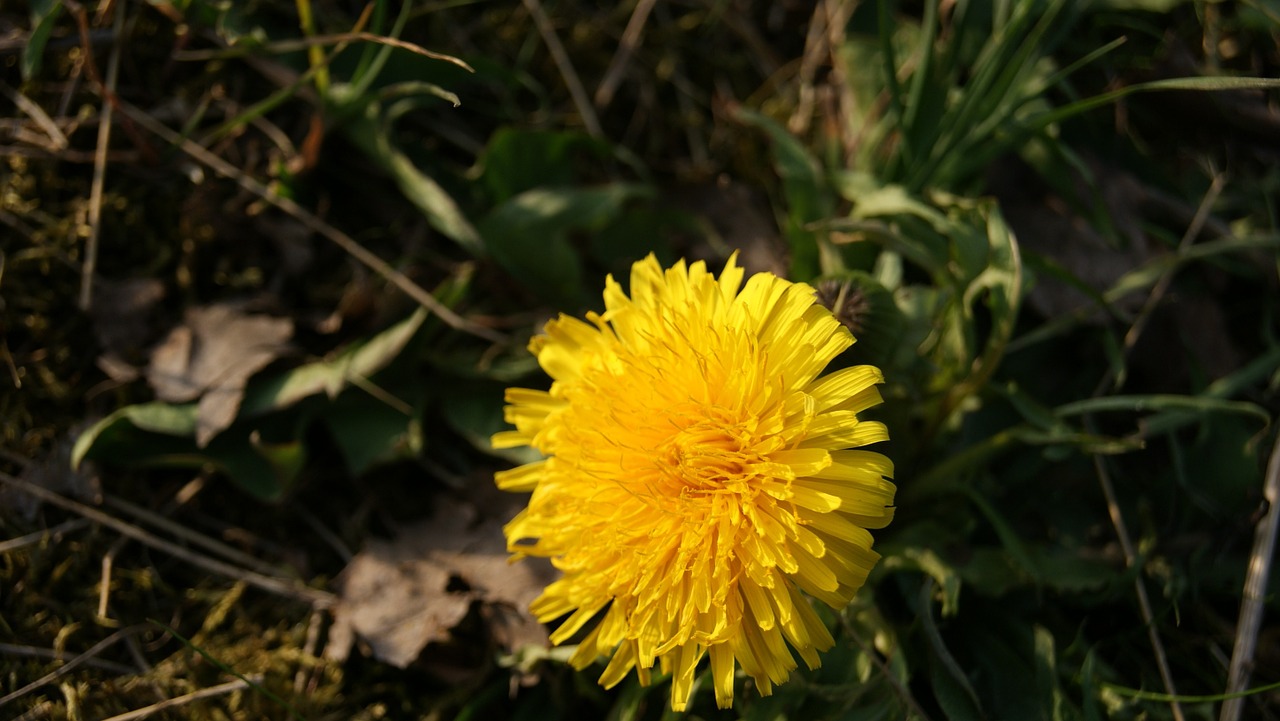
698 476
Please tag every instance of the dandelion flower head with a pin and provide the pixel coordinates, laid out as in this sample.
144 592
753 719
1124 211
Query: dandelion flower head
698 475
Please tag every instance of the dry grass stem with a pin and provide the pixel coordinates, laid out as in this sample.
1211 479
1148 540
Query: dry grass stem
104 586
283 587
815 48
12 649
626 48
1162 286
100 164
561 58
1252 603
342 240
14 544
903 692
219 690
57 138
305 673
197 539
74 663
1144 603
290 46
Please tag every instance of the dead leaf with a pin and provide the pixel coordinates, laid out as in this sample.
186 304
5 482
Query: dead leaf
211 357
396 597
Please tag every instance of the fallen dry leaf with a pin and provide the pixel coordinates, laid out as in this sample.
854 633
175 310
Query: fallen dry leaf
395 597
211 356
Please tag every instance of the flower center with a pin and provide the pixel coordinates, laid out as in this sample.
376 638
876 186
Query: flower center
710 454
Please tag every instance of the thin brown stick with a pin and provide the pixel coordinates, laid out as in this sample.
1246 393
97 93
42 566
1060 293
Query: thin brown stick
280 586
13 649
305 672
1255 585
14 544
36 113
626 48
100 165
561 59
186 534
1162 285
884 669
815 48
74 663
104 586
1144 603
342 240
219 690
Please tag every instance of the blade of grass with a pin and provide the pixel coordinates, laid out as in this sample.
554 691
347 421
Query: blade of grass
885 31
1019 135
315 55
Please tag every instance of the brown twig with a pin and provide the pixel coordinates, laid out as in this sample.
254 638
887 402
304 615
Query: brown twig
1255 585
186 534
219 690
815 48
14 544
283 587
342 240
561 58
100 165
12 649
626 48
37 113
1144 603
74 663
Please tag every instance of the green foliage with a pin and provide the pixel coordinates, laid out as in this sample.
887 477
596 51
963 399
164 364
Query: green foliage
444 139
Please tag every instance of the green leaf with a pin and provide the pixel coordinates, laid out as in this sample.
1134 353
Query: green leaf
528 235
807 196
519 160
368 432
372 134
474 409
1162 403
44 14
263 459
357 361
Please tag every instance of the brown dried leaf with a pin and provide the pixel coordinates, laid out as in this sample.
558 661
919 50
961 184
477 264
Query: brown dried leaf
396 597
211 357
